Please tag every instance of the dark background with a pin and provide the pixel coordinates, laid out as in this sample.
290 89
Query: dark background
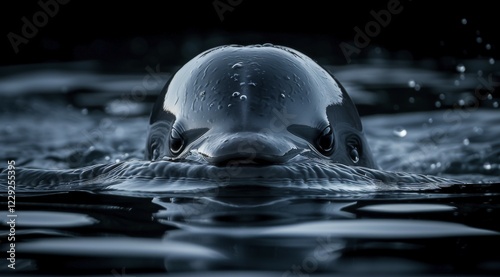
148 32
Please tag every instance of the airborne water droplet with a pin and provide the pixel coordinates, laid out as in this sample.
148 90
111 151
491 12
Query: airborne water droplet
437 104
243 97
464 21
466 141
399 132
411 83
282 95
487 166
495 104
488 46
235 94
461 68
491 61
479 39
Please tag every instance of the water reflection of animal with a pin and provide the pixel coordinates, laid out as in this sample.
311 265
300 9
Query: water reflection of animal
258 104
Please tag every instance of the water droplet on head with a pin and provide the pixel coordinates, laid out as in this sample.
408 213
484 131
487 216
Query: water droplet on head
243 97
461 68
399 132
464 21
235 94
237 65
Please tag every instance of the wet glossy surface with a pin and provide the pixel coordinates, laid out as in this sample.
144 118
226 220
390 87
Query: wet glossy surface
87 204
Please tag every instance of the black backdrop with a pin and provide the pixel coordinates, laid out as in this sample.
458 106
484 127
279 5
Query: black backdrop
174 31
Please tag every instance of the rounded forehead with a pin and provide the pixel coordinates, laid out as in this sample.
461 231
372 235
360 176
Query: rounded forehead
263 79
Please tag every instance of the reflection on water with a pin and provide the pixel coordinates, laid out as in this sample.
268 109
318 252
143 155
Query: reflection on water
88 204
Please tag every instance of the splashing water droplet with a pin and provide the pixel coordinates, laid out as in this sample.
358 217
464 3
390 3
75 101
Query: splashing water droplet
107 158
237 65
466 141
464 21
411 83
399 132
461 68
478 130
491 61
461 102
202 93
243 97
235 94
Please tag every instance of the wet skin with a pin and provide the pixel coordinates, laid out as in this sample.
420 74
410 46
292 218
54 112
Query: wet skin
256 105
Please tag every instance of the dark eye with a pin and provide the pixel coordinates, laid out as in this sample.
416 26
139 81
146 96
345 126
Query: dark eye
176 142
354 148
326 141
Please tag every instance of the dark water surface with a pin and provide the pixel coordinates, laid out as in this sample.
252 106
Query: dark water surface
86 203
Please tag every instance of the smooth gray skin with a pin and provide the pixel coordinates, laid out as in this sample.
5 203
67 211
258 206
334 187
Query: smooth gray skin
258 104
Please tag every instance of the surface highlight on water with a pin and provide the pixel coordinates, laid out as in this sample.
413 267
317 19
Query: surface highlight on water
87 201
